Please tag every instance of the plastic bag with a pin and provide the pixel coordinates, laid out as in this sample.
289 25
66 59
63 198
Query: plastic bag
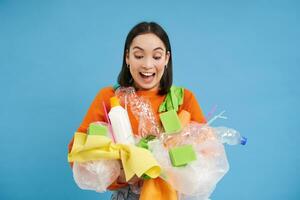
96 175
199 177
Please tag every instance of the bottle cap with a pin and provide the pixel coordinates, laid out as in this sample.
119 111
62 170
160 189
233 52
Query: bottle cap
243 141
114 101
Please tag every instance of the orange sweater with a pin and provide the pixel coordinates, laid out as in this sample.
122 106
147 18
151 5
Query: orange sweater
96 111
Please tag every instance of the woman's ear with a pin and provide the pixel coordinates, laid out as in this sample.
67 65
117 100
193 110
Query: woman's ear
167 57
127 57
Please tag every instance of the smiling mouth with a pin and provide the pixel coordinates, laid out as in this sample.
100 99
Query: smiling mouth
147 74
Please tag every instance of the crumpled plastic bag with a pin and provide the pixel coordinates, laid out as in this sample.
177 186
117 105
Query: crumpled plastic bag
96 175
199 177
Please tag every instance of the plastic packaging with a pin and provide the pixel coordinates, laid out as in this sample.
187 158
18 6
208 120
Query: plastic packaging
229 136
194 133
120 123
142 110
198 178
96 175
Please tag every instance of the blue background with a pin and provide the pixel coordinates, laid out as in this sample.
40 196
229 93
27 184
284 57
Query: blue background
242 56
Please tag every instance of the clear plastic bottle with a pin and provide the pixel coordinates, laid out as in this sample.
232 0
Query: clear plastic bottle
229 136
120 122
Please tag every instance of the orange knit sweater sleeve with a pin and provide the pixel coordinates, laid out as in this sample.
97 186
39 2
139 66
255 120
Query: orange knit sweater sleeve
95 111
191 105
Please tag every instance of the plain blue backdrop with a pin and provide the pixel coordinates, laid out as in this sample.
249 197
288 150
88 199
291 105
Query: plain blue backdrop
241 55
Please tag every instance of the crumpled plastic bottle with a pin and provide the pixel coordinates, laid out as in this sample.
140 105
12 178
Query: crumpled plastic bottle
229 136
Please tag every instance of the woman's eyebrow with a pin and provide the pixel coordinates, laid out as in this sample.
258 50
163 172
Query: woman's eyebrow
137 47
157 48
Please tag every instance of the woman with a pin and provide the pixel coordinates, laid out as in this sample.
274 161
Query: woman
147 66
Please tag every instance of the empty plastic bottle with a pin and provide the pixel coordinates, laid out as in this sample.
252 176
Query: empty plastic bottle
229 136
120 122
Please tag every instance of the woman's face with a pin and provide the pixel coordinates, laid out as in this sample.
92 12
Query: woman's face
147 59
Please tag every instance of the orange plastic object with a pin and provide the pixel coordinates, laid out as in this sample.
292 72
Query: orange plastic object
114 101
184 117
157 189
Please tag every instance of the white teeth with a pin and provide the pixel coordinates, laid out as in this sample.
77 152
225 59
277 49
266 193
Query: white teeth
147 73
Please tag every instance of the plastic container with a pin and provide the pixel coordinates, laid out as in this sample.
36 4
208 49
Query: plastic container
229 136
120 122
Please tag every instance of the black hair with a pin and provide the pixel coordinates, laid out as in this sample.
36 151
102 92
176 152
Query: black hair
125 78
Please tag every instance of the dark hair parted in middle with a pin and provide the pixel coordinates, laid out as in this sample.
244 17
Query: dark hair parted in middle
125 78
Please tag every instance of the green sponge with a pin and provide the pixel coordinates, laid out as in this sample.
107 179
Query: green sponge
143 143
170 121
181 156
97 129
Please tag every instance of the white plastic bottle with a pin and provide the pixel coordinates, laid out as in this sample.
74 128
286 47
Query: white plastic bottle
229 136
120 122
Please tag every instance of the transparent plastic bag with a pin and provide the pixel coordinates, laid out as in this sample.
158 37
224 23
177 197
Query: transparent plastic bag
196 197
199 177
194 133
142 110
96 175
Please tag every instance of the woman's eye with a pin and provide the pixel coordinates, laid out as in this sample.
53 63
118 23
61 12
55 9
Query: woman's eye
138 57
157 57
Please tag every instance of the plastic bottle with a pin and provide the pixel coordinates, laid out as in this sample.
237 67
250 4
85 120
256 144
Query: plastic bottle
229 136
120 122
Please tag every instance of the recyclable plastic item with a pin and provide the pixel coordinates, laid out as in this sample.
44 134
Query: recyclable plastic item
229 136
184 117
96 175
120 122
142 110
198 179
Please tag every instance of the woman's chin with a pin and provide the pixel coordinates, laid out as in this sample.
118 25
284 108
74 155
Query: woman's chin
147 86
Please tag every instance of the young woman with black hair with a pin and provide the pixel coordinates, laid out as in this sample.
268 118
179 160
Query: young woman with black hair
147 66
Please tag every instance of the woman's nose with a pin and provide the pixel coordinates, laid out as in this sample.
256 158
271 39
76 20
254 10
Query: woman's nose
148 64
